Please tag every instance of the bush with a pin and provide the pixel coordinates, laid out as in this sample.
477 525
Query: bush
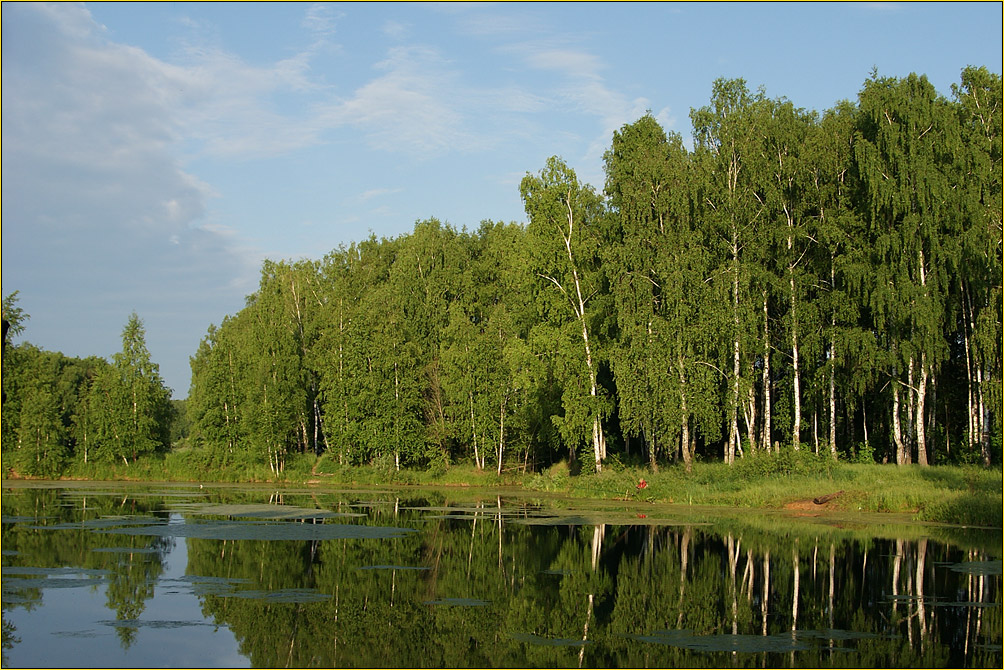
863 453
786 463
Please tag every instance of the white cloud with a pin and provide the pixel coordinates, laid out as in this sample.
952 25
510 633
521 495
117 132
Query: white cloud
321 20
100 217
377 192
417 105
568 62
394 29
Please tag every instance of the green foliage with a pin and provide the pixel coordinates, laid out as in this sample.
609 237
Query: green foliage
786 463
793 279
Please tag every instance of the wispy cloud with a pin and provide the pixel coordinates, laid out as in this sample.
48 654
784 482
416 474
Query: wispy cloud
417 105
377 192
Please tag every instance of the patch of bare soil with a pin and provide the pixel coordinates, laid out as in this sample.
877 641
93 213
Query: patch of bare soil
806 506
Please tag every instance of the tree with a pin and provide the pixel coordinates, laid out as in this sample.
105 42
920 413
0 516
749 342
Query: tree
841 261
141 407
564 238
906 133
733 178
787 225
657 266
979 272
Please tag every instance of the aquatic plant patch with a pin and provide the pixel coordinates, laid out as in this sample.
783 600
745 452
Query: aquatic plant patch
262 511
530 638
725 642
229 530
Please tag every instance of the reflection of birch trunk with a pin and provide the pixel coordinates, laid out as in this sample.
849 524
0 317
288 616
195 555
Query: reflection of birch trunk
969 610
748 575
794 590
598 532
585 629
733 548
982 581
684 555
766 590
470 553
909 611
833 567
794 599
919 577
498 502
897 562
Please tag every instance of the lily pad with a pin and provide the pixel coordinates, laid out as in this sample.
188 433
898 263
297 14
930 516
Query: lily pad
103 522
156 623
230 530
281 595
462 602
54 572
549 641
835 634
126 550
725 642
263 511
984 568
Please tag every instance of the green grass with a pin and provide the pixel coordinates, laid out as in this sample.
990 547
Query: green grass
959 495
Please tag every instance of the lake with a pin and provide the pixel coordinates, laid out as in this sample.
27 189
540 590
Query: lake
127 575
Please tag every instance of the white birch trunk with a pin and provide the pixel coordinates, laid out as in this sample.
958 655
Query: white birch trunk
796 430
921 397
766 442
599 443
684 419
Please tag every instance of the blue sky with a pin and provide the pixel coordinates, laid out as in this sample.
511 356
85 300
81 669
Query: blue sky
155 153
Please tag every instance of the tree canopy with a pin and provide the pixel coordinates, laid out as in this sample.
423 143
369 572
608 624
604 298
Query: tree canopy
827 281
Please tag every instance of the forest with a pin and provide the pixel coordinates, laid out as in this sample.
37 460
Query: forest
827 282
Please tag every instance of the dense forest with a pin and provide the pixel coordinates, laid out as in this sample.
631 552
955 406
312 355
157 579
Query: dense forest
795 280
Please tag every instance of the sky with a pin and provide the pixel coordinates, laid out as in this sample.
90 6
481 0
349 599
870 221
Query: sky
155 153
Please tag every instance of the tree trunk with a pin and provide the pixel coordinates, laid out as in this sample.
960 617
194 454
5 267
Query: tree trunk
796 430
474 432
966 332
765 442
902 457
750 415
764 600
599 443
921 397
833 398
730 454
684 419
501 431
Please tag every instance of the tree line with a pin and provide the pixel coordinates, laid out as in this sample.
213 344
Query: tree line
59 410
793 280
827 281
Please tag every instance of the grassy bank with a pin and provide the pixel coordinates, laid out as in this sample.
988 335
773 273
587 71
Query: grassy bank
962 495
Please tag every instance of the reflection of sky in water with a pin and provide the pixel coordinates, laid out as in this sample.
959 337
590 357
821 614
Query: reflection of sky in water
72 627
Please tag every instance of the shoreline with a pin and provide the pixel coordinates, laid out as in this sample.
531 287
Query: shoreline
963 496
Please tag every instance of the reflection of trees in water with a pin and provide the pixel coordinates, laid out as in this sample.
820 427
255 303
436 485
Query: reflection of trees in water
490 592
479 586
132 563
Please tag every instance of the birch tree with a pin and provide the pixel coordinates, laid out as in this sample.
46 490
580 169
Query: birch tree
564 238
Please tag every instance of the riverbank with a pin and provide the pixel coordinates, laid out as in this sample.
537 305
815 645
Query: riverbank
961 495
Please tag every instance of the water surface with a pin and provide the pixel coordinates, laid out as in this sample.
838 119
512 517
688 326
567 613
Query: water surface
228 576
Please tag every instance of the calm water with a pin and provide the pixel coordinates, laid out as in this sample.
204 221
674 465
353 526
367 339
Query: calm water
113 575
